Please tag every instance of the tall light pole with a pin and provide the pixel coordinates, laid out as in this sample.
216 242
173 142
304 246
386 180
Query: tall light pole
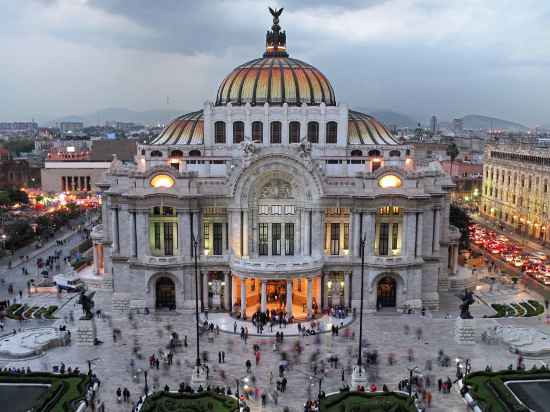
195 252
362 251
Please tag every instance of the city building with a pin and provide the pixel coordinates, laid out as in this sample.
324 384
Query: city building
434 126
68 128
515 188
468 178
272 187
69 170
18 173
458 125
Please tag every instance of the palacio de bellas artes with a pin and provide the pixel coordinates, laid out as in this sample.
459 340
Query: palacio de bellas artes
276 187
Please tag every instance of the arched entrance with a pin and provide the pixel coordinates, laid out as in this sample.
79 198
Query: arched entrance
386 292
165 293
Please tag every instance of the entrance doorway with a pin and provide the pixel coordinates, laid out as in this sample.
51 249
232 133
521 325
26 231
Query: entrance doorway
276 293
386 292
165 293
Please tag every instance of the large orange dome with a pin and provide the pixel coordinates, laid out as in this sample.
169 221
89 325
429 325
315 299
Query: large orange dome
276 80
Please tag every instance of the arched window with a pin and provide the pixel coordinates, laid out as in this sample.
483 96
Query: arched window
374 152
156 153
275 135
356 153
238 132
219 132
176 154
294 132
332 133
313 132
257 132
195 153
395 153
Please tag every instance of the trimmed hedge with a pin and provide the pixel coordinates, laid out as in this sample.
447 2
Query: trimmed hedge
539 307
199 402
519 310
503 310
489 390
64 393
367 402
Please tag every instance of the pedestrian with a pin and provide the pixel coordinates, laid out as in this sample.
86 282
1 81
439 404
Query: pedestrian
271 377
119 395
235 327
219 357
439 384
248 365
223 356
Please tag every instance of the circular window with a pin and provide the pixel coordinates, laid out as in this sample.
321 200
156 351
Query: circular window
389 181
162 181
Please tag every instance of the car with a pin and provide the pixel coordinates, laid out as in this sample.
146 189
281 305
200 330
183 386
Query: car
547 281
518 261
70 284
539 255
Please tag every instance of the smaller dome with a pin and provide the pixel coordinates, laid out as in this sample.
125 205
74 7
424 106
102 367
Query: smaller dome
183 130
365 129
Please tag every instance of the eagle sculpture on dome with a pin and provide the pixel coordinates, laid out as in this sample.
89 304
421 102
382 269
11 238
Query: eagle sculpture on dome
276 13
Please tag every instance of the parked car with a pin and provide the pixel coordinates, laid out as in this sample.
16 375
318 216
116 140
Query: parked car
69 284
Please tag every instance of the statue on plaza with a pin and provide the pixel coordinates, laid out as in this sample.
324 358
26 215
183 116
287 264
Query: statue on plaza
467 299
87 303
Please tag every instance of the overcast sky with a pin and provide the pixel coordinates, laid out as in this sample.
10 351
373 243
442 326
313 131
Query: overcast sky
443 57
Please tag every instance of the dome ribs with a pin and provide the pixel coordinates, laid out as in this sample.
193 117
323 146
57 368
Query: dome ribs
255 88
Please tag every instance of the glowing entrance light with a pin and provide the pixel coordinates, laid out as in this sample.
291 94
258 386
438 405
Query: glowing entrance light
162 181
389 181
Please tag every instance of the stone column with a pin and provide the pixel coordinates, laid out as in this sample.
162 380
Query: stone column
419 240
96 262
355 235
245 232
289 297
227 291
455 258
184 224
369 230
243 297
264 295
309 298
347 285
205 290
305 232
115 231
410 231
235 229
437 225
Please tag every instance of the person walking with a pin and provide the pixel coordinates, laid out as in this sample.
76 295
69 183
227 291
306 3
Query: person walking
223 356
119 395
248 365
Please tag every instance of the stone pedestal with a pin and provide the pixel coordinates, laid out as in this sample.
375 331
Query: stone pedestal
199 378
86 332
465 331
358 377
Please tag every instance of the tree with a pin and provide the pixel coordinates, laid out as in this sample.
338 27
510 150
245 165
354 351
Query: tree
460 219
452 152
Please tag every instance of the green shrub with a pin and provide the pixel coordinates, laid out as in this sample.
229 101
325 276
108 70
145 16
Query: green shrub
539 307
519 310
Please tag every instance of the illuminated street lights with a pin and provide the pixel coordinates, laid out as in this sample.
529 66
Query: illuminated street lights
359 375
199 376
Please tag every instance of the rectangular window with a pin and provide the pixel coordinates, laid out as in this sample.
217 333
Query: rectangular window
335 238
218 239
383 239
394 235
289 239
275 239
263 241
206 235
168 239
346 236
157 235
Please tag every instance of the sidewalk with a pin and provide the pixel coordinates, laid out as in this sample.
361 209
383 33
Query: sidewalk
32 252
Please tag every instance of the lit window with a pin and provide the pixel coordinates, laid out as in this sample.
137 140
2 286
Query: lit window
162 181
389 181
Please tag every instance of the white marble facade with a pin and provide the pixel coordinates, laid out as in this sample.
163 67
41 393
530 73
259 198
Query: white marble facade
278 196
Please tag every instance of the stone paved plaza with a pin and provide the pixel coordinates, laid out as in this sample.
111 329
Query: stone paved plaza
384 332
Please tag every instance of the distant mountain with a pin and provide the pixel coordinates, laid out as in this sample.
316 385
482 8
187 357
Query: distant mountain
389 118
148 117
476 122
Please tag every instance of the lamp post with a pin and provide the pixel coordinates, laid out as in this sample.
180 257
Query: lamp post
320 383
195 252
411 371
146 387
362 251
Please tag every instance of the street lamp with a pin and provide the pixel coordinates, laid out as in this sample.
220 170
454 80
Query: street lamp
362 251
146 387
411 371
195 252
